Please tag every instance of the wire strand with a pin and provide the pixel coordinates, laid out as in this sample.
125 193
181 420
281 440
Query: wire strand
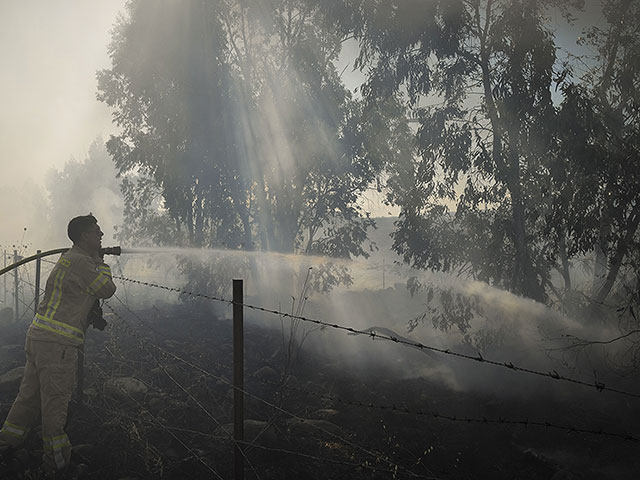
599 386
276 407
569 428
198 403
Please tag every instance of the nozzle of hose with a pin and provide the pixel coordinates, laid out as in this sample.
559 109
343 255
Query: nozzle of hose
110 251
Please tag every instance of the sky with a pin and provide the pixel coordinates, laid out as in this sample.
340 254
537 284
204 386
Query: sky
50 53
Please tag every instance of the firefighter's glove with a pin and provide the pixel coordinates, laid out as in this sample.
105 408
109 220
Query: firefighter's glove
95 317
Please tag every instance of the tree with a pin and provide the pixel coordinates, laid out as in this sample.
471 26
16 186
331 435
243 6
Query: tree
596 174
83 187
476 197
168 86
284 167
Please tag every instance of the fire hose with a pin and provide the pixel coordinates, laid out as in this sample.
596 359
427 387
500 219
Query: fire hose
8 268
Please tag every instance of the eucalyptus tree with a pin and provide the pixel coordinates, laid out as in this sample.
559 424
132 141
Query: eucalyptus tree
170 88
310 147
235 113
479 74
597 172
94 180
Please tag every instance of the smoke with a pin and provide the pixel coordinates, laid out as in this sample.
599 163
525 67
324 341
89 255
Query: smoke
50 54
508 328
22 212
77 189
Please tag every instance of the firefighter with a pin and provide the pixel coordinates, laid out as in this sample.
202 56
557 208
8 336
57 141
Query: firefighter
79 278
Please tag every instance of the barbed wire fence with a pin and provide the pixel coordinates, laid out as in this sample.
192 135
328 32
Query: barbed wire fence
568 428
599 386
377 457
18 291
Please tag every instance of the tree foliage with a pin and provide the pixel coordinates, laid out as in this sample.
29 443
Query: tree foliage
168 87
522 165
235 120
598 167
84 186
235 112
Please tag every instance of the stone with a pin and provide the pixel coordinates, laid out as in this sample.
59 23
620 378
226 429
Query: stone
267 373
326 413
126 388
157 404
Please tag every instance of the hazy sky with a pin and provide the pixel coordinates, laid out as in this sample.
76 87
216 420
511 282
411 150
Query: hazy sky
50 53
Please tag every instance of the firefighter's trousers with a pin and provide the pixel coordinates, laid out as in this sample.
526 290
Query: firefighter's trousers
45 391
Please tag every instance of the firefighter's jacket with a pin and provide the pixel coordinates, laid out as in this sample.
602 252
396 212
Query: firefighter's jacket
72 287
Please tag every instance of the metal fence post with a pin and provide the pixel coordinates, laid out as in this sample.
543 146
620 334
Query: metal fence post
36 299
80 375
4 278
238 380
15 292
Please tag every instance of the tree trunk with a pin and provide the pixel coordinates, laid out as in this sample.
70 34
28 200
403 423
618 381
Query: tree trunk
564 261
622 248
524 278
599 268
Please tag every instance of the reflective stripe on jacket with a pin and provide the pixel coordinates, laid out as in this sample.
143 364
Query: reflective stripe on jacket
73 284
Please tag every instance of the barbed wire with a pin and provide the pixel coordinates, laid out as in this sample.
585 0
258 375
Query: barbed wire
365 465
394 408
161 425
272 405
569 428
483 420
143 343
33 286
599 386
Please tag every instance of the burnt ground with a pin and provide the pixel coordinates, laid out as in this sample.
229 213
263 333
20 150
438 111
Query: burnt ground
328 420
